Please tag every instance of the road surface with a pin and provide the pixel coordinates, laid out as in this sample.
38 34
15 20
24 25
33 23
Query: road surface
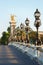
10 55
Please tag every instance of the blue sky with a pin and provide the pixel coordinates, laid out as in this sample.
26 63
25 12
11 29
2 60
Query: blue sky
22 9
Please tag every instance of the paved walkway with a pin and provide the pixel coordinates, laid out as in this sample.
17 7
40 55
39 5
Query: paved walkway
9 55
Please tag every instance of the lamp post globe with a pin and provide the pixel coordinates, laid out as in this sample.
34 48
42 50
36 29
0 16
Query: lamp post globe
27 22
37 13
21 26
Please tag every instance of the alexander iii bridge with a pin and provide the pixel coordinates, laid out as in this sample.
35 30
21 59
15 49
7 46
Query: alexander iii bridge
20 53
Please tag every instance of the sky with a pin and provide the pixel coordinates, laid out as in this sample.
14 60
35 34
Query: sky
22 9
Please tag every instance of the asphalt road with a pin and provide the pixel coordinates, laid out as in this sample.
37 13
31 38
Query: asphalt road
10 55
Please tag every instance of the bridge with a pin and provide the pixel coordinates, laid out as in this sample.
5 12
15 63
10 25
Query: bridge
17 54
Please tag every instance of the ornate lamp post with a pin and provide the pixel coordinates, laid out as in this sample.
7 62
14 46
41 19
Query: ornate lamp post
21 27
26 28
37 21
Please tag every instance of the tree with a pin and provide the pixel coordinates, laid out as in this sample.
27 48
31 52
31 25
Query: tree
4 38
8 29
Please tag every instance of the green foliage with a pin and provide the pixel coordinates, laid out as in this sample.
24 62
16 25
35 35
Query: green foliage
4 38
32 37
8 29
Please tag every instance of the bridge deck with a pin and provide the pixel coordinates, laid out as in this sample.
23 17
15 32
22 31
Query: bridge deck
9 55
